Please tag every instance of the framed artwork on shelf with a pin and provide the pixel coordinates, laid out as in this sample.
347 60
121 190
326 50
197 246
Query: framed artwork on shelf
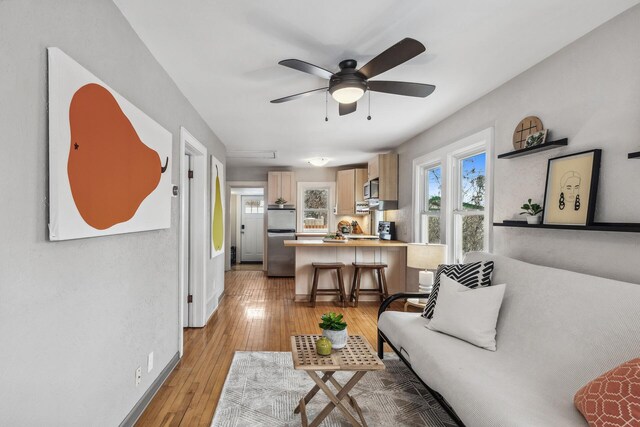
109 163
571 189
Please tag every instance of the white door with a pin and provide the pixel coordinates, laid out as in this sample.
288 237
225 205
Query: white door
186 188
252 228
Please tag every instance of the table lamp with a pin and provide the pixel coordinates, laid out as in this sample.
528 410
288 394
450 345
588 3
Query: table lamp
425 257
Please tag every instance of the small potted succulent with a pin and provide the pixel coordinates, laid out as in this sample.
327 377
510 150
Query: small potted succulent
335 329
532 210
280 202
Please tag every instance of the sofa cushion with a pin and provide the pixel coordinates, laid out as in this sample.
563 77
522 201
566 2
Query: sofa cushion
468 314
612 399
471 275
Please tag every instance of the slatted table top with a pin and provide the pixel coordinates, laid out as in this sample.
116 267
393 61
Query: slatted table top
357 355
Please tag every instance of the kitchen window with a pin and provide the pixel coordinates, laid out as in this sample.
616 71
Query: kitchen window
452 196
315 210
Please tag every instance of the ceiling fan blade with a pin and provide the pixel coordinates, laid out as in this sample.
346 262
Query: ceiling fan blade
344 109
305 67
400 52
401 88
298 95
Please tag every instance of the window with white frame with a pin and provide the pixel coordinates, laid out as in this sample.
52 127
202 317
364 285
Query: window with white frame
452 196
469 198
431 180
315 204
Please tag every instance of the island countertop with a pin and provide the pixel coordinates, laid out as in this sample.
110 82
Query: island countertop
349 243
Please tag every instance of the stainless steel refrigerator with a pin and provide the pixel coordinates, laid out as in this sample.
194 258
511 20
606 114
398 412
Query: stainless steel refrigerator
281 226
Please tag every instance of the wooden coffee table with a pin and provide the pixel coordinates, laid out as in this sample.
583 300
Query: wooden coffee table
358 356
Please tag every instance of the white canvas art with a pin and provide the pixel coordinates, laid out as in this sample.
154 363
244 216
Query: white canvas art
109 163
217 207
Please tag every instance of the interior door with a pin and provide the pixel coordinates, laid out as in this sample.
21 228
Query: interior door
186 188
252 228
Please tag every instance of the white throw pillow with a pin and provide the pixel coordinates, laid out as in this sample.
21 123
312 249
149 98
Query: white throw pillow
468 314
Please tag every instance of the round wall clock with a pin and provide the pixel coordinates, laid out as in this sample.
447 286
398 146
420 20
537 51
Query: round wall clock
526 127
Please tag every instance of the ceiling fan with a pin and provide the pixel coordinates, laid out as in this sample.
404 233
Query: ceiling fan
348 85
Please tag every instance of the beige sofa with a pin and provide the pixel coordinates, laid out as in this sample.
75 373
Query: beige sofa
557 330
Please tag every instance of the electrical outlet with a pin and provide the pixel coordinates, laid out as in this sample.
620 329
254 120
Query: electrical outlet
138 376
150 362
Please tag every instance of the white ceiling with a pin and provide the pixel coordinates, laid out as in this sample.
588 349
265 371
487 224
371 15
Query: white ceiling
242 191
223 55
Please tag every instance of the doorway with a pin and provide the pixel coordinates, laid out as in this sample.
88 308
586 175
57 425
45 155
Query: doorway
247 215
252 229
193 233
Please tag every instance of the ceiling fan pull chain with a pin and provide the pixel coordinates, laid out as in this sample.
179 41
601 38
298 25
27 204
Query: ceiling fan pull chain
326 106
369 116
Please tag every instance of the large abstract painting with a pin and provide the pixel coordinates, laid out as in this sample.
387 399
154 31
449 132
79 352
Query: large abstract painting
217 207
109 163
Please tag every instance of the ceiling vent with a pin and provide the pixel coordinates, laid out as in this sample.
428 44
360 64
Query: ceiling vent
251 154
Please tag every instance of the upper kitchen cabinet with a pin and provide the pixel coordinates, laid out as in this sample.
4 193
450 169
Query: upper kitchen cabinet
384 169
281 184
349 186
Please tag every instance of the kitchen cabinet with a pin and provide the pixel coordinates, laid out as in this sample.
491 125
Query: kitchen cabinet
384 168
281 184
349 189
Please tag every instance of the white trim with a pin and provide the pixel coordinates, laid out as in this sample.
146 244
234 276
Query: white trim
198 238
446 156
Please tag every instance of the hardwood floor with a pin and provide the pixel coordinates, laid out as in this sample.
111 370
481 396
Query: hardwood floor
256 314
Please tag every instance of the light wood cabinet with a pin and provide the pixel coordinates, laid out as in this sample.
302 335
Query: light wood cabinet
384 167
373 168
281 184
349 189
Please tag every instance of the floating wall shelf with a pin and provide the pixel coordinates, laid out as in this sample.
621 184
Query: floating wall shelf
535 149
598 226
635 155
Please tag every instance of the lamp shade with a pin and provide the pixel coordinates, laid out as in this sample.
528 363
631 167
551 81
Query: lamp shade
424 256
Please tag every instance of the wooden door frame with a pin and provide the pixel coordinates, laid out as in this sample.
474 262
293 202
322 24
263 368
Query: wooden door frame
198 235
247 184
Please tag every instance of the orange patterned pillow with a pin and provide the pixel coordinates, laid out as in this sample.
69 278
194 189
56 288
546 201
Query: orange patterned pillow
612 399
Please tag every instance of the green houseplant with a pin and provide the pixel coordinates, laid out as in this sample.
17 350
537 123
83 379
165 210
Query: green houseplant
280 202
532 210
335 329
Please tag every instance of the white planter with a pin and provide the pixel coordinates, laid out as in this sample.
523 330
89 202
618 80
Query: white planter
281 206
534 219
338 338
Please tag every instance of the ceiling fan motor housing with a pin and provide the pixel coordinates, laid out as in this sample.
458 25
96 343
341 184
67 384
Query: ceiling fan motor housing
347 77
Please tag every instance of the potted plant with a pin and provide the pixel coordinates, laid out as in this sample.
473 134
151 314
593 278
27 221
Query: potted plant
335 329
280 202
532 210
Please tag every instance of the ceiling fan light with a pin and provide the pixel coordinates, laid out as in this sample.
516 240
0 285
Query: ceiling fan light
347 95
318 161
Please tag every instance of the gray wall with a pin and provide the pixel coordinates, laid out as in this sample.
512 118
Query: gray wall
587 92
78 317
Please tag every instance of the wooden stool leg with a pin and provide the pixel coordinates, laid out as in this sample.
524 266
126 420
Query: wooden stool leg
384 284
380 287
343 296
352 291
314 287
358 278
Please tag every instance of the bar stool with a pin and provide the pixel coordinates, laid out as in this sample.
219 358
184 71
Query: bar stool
337 266
376 267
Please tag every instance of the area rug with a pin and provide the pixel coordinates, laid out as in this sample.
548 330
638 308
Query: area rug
263 389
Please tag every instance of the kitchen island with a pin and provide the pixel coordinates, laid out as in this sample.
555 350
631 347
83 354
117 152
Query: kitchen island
391 252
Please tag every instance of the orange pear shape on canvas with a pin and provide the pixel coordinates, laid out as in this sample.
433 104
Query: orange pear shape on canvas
111 171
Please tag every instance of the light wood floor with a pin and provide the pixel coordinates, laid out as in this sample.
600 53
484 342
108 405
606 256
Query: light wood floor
256 314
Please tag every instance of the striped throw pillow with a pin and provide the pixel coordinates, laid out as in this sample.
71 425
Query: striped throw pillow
472 275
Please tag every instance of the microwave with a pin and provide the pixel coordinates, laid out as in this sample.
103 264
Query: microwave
371 189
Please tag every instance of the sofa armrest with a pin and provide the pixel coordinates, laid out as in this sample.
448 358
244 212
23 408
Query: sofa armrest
402 295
